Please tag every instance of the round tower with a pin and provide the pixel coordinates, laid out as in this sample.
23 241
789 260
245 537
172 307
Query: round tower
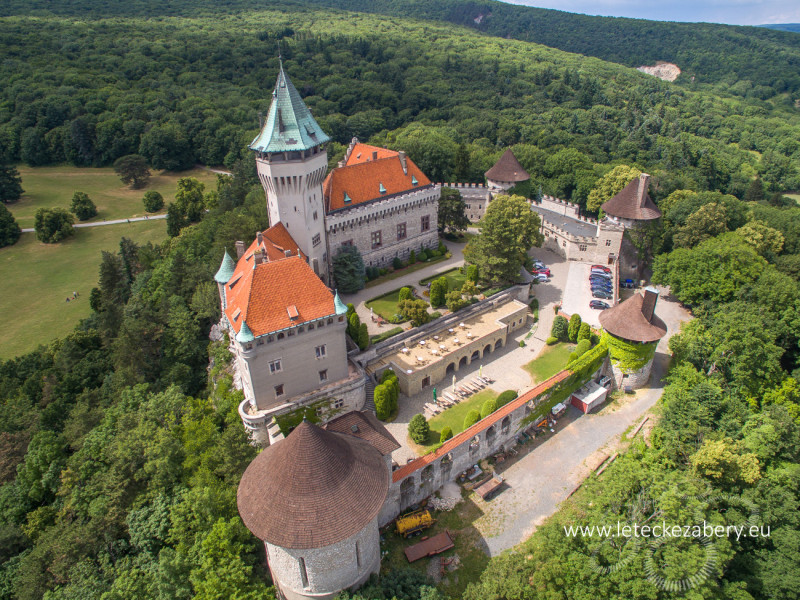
314 500
632 331
292 161
506 173
222 277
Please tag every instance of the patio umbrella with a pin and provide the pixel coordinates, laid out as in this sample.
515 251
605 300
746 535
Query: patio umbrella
480 371
454 384
434 396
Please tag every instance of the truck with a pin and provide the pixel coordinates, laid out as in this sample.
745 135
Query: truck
414 522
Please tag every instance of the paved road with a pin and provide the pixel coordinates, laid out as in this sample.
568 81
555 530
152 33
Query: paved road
103 223
544 478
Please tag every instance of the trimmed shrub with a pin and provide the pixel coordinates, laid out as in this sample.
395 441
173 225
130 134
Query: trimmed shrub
446 434
418 429
412 258
522 343
573 356
472 273
438 292
560 329
488 407
574 327
471 418
585 332
423 255
551 340
385 335
353 326
383 402
363 336
505 397
404 294
397 263
583 347
82 207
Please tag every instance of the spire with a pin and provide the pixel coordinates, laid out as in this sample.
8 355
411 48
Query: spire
289 124
226 269
341 307
244 335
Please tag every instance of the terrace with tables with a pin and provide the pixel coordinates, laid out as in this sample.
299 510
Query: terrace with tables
441 354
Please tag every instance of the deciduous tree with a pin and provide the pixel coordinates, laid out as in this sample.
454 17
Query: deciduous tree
10 184
53 225
610 184
452 211
132 170
9 229
82 206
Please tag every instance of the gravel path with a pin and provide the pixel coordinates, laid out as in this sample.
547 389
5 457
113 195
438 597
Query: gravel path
544 478
103 223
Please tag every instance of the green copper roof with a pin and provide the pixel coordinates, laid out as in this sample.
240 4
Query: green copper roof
244 335
226 269
289 125
341 307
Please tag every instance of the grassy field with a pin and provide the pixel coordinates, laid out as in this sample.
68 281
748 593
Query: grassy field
404 271
455 279
795 197
454 417
37 278
552 360
386 305
47 187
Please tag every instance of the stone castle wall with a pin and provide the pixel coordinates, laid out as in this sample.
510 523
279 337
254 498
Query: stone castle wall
355 226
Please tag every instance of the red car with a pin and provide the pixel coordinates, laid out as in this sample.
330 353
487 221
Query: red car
544 271
602 268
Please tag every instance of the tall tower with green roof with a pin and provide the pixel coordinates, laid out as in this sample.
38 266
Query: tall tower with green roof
292 160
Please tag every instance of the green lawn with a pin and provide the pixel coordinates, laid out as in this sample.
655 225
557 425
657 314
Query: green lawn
37 278
53 187
386 305
404 271
795 197
455 279
552 360
454 417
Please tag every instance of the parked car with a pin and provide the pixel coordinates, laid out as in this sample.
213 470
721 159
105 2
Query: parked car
598 304
599 278
602 289
602 294
628 283
544 271
601 284
600 274
607 282
539 264
540 277
601 268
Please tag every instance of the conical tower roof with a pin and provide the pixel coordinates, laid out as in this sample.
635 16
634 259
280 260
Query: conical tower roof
633 202
635 319
226 269
289 124
507 169
313 489
341 307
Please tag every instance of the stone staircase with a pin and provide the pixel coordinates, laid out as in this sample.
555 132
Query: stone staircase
369 404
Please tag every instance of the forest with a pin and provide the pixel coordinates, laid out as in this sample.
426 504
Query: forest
120 445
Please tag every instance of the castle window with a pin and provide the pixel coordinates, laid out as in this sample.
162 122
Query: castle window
338 403
401 231
315 215
316 240
358 556
281 336
310 326
376 239
426 223
582 247
323 375
608 242
260 342
330 320
279 390
564 244
303 573
381 189
270 339
275 366
320 351
321 324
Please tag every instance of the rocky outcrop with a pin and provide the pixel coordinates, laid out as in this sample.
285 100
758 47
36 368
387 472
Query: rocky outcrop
663 70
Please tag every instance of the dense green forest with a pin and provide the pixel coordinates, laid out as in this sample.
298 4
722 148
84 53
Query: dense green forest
121 450
186 90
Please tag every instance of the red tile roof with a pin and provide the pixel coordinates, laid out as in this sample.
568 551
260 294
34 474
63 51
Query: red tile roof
366 426
482 425
633 202
362 176
264 293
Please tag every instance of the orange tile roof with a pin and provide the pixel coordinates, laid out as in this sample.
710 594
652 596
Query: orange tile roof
481 425
362 177
262 295
275 241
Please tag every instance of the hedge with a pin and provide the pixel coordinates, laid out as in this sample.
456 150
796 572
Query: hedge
386 335
506 397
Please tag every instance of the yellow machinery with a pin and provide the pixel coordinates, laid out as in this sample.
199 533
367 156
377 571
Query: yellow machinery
414 522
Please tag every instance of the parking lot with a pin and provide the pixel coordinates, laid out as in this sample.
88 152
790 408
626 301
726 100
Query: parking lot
578 294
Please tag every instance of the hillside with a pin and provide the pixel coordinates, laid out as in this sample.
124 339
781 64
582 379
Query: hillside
795 27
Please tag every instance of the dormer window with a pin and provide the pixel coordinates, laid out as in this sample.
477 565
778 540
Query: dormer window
414 181
237 314
234 282
381 189
292 310
347 198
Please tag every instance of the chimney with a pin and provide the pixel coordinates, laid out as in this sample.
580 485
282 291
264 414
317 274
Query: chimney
260 238
374 155
352 145
403 162
258 257
644 180
649 302
239 249
287 253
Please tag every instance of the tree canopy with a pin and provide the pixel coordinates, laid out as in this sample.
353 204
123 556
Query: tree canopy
10 184
53 225
508 230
